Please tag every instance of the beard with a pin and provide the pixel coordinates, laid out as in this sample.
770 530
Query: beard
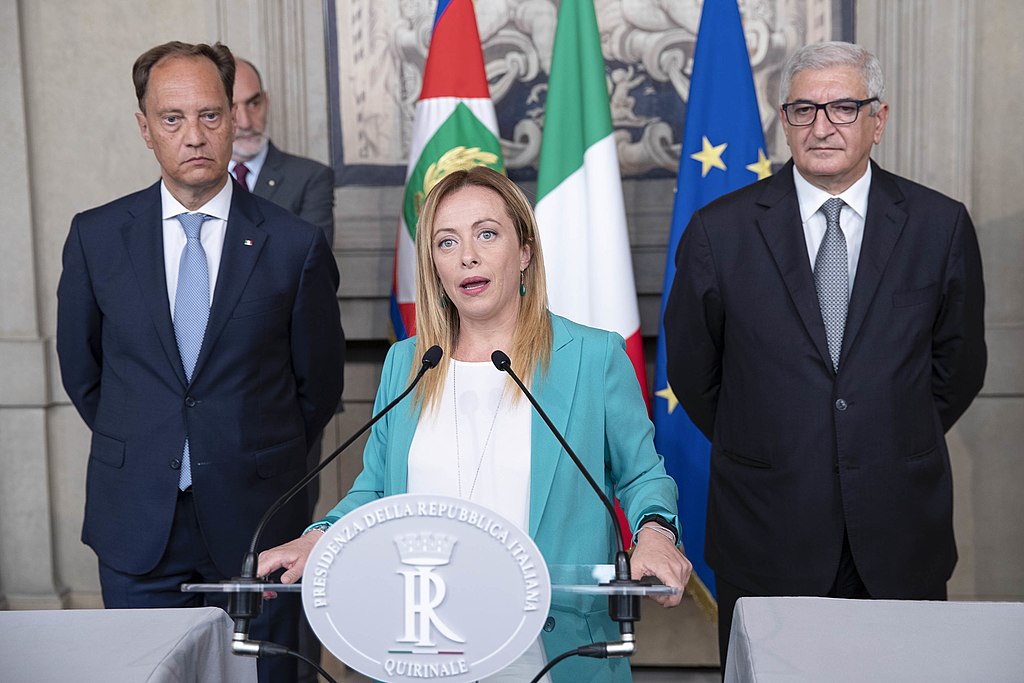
247 147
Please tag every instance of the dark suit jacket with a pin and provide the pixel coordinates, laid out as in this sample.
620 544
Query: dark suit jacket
798 451
303 186
266 382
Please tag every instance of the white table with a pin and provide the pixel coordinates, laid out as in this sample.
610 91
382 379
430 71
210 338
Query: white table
154 645
822 639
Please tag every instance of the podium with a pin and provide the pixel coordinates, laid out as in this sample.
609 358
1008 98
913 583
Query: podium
582 580
420 586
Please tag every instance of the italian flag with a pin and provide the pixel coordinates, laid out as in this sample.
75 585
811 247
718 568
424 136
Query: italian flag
454 128
580 212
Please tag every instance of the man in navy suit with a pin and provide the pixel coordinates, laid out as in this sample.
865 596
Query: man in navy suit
825 329
189 449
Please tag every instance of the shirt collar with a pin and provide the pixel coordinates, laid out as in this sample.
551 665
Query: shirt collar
218 207
811 197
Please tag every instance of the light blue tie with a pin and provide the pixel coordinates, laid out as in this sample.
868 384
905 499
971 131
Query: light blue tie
191 311
832 279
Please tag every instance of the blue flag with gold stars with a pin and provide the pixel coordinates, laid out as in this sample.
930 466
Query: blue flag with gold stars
723 150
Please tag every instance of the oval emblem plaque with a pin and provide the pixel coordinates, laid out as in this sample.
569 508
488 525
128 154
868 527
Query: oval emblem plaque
420 587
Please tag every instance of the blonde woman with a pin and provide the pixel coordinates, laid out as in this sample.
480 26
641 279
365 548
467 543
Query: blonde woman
470 433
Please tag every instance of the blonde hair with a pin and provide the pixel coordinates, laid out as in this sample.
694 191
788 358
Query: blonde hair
437 320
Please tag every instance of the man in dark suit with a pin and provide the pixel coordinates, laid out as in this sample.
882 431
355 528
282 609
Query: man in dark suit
303 186
199 338
825 329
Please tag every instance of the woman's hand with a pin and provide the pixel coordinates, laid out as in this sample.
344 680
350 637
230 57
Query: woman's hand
291 556
655 555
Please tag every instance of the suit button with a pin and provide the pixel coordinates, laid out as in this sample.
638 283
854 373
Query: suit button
841 404
549 624
190 402
175 464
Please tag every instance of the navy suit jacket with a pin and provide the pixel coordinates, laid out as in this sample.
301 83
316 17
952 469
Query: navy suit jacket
268 377
798 451
303 186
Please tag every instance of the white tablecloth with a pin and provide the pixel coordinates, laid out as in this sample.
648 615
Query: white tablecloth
153 645
821 639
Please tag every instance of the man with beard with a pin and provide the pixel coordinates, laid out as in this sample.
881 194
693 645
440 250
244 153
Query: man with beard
303 186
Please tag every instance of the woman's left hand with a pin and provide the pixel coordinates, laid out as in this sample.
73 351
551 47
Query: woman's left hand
655 555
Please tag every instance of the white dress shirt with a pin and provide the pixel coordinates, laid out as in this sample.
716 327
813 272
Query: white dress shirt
851 218
211 236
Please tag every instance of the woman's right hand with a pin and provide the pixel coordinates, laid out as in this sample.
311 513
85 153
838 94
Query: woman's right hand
291 556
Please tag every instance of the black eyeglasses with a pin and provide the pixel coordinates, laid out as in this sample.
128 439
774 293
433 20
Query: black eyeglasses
838 112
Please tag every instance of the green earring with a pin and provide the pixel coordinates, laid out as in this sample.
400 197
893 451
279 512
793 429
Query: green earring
444 300
522 284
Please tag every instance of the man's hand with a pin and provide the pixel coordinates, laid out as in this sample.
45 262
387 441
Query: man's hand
655 555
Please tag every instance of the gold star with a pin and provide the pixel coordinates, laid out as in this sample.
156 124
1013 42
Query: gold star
763 167
669 396
710 156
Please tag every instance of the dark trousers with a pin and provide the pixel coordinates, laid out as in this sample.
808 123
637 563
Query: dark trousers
847 584
187 560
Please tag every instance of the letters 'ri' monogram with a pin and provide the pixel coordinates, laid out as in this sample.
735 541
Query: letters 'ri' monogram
425 590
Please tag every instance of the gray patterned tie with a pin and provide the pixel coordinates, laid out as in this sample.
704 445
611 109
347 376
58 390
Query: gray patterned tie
831 277
191 311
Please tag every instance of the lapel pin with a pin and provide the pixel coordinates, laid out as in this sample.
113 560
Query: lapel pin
247 243
271 183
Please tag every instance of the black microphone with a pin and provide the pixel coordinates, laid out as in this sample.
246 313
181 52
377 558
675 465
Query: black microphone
245 606
625 609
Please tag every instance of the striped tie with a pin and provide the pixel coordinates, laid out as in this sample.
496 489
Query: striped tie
191 311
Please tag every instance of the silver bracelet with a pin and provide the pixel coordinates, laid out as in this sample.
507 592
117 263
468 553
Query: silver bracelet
654 526
322 527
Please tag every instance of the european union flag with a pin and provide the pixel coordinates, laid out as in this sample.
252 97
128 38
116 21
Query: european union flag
723 150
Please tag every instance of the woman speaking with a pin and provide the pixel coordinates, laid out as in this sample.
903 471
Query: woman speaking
470 433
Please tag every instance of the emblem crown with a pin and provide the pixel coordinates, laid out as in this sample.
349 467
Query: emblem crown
425 549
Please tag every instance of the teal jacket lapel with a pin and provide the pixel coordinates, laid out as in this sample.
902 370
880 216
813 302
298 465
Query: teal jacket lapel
555 396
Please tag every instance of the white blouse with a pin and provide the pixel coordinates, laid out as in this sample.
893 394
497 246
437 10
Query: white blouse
481 453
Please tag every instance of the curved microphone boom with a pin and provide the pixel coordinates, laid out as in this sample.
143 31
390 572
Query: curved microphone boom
625 609
244 606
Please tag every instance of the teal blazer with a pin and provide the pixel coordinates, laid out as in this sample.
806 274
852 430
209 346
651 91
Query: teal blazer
592 396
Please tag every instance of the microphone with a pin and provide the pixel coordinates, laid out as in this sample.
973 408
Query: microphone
624 609
245 606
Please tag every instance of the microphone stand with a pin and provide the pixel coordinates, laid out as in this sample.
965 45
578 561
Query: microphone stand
243 606
623 609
